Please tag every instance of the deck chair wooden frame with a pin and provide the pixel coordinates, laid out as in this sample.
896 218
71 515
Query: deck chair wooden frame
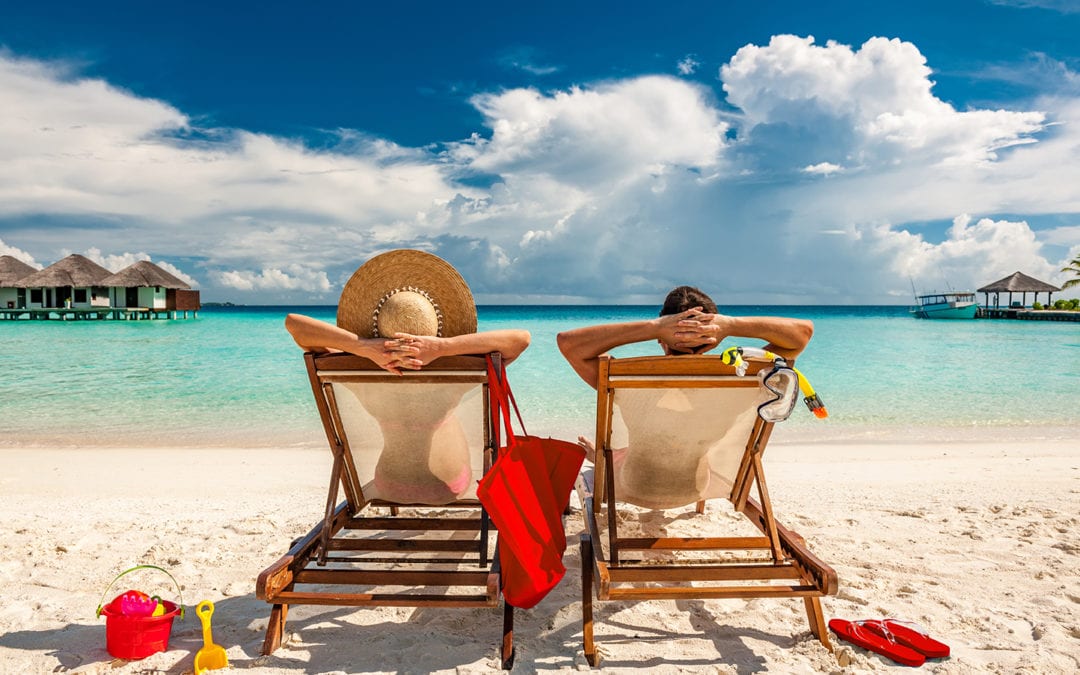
783 566
335 564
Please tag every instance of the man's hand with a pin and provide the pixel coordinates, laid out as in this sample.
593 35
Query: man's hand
692 330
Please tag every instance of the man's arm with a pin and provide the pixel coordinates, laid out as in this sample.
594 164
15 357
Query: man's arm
692 330
786 337
582 347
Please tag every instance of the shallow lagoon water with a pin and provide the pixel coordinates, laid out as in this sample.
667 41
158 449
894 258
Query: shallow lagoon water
234 377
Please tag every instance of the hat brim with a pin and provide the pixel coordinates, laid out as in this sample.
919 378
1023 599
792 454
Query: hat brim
398 270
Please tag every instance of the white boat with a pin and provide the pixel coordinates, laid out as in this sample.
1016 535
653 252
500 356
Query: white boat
952 305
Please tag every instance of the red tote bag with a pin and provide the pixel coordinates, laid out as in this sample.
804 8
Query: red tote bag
525 494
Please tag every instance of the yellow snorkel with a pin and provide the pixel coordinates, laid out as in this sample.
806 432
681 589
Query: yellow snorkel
733 356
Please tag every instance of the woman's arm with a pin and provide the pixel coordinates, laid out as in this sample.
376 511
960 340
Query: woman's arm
423 349
314 335
409 352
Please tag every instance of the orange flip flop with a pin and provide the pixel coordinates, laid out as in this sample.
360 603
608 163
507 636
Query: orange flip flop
851 631
908 634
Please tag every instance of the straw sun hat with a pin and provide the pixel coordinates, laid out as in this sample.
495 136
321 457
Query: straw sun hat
406 291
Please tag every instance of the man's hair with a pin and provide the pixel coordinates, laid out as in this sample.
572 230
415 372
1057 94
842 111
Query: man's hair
687 297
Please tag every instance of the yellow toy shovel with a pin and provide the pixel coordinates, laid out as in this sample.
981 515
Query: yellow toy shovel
211 656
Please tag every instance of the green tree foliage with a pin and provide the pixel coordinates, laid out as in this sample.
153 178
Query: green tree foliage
1074 268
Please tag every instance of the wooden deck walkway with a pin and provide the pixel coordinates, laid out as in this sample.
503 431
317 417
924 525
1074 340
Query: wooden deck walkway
94 314
1026 314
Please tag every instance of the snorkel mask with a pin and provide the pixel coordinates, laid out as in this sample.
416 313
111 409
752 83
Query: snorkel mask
781 381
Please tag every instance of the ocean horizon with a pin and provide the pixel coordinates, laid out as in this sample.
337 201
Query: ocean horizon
234 377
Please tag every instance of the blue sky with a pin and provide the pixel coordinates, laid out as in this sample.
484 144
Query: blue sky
774 152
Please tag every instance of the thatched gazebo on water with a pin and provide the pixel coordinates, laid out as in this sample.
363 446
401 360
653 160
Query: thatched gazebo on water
1017 282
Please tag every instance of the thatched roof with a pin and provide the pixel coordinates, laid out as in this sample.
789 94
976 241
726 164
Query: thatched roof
74 270
12 269
143 273
1018 282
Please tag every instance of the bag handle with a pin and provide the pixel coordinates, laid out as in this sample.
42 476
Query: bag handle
499 410
502 399
101 603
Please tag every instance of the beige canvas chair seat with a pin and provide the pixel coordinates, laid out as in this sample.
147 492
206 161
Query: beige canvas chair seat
675 431
408 451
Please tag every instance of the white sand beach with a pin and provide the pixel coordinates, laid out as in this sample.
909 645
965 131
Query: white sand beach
978 541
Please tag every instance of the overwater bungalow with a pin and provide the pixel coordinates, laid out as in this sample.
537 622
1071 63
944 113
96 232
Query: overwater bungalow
12 270
71 283
145 285
78 288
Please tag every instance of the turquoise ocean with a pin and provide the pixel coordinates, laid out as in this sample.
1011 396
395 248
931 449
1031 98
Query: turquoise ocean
233 377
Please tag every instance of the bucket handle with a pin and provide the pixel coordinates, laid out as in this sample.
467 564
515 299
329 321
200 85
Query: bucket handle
101 603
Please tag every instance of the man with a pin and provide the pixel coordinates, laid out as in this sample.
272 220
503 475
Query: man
689 323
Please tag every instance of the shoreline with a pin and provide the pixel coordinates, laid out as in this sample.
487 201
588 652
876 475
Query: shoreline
803 432
974 539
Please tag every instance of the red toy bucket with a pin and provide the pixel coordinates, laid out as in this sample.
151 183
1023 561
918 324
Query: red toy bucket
136 637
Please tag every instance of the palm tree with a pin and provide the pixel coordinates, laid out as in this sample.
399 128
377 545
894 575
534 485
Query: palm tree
1073 267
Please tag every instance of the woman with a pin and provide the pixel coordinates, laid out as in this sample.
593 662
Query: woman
402 310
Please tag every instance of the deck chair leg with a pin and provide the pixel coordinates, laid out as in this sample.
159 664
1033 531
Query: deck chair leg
275 628
586 601
700 506
507 655
817 621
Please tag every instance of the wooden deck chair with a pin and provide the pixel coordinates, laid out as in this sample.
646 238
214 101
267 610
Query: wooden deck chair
410 530
673 431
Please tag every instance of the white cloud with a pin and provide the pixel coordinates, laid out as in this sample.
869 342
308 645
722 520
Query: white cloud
873 106
1062 6
824 168
177 272
526 59
292 278
601 135
688 65
114 262
119 261
18 254
1067 235
611 191
973 254
130 169
1038 72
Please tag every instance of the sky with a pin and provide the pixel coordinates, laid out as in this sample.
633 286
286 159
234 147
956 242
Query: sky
561 152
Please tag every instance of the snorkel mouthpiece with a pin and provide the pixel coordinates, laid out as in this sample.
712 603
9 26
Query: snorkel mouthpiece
813 402
732 356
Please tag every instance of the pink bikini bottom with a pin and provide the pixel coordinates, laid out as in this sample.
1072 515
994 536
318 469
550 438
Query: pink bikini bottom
429 492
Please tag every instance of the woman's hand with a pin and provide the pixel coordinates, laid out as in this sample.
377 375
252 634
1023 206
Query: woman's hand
413 352
400 353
